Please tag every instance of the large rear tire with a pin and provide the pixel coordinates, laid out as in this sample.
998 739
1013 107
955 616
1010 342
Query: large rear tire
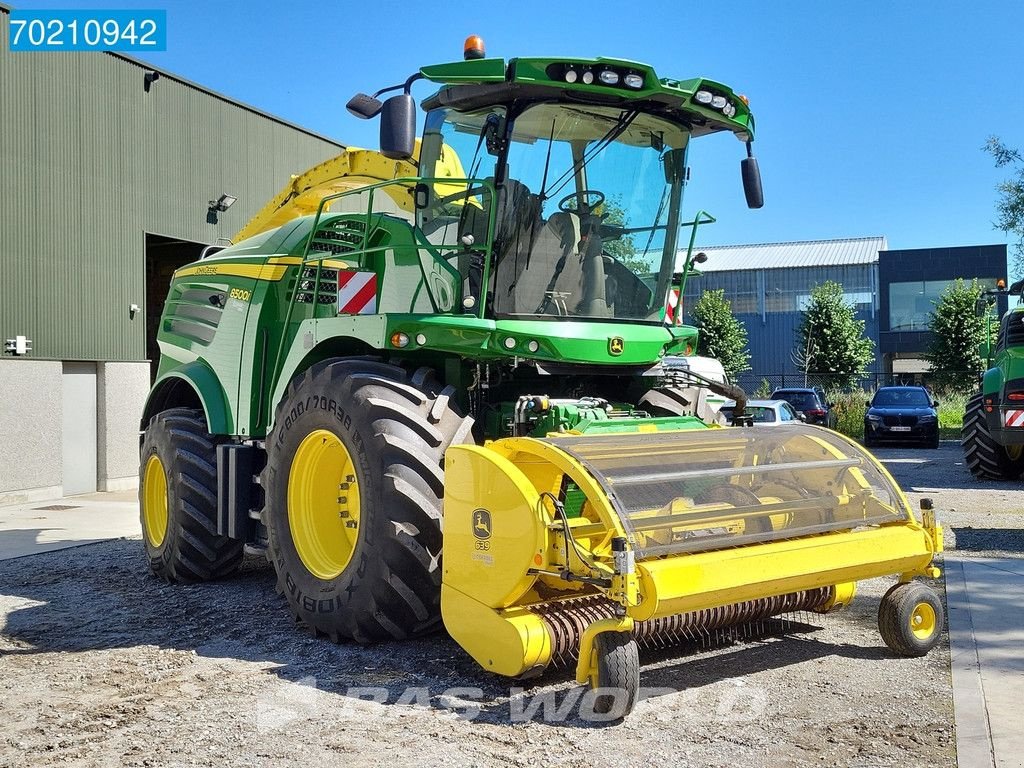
353 482
985 458
178 500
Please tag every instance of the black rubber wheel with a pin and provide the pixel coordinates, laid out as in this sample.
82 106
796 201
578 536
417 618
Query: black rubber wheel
178 500
371 543
618 673
910 619
985 458
933 443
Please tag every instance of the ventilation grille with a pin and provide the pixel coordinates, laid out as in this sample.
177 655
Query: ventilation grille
196 313
1015 330
340 237
328 292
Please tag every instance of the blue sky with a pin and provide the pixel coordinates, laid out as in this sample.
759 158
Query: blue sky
871 116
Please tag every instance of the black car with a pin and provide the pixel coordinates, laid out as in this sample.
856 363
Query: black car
810 401
904 414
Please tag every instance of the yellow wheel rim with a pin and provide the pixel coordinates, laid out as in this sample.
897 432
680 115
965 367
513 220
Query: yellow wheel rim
323 504
922 621
154 501
1014 451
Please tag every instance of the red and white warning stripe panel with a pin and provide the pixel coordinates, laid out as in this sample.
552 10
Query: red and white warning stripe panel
673 310
357 293
1013 418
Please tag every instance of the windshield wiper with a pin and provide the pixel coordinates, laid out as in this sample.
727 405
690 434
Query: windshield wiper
624 121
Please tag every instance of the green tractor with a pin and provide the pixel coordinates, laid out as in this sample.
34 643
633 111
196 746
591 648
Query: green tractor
487 317
993 431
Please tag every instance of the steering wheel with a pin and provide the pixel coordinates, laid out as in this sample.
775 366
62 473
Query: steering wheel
586 194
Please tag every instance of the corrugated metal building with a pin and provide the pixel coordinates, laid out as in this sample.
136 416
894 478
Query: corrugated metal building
769 285
106 178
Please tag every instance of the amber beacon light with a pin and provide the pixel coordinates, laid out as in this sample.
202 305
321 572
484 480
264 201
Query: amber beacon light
473 47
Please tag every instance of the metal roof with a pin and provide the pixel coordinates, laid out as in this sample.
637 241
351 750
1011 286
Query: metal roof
807 253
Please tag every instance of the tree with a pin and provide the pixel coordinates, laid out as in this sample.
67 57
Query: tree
831 340
720 334
958 330
1010 203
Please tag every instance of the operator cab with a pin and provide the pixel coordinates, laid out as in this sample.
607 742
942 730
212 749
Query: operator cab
582 209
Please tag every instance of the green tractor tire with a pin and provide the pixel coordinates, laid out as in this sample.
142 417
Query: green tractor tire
178 500
353 483
985 458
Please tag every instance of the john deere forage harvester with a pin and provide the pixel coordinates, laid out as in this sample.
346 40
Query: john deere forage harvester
326 387
993 429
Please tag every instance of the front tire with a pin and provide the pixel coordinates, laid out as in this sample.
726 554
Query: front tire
353 487
985 458
178 500
910 619
616 675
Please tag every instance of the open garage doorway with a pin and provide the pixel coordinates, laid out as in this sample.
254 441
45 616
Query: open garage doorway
163 256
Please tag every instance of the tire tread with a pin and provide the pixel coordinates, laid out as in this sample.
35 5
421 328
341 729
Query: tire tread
412 421
193 551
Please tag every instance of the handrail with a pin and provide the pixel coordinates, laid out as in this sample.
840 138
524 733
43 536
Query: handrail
701 217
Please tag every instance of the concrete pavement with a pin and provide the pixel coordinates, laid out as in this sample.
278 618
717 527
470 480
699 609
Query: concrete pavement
985 605
42 526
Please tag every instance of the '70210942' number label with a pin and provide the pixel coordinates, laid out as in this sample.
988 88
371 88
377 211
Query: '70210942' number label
88 30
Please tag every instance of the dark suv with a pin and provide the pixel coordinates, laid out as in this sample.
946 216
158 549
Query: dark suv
904 414
810 401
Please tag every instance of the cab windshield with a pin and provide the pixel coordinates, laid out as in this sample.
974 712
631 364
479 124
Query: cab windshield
585 213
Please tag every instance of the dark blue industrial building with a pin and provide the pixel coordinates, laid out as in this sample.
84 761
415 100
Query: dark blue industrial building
770 284
914 280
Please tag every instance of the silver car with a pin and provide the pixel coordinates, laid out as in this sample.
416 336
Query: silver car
767 413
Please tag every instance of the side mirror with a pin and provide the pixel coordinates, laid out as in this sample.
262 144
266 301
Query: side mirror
398 127
801 415
752 182
867 403
935 403
364 107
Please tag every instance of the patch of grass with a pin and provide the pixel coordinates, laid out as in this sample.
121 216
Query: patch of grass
848 409
951 414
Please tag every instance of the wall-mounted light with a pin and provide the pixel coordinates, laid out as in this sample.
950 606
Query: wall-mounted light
148 79
222 203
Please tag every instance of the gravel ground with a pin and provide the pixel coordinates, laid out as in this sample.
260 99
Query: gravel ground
102 665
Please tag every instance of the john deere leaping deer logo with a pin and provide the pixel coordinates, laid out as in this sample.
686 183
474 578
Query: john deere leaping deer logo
616 345
482 524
